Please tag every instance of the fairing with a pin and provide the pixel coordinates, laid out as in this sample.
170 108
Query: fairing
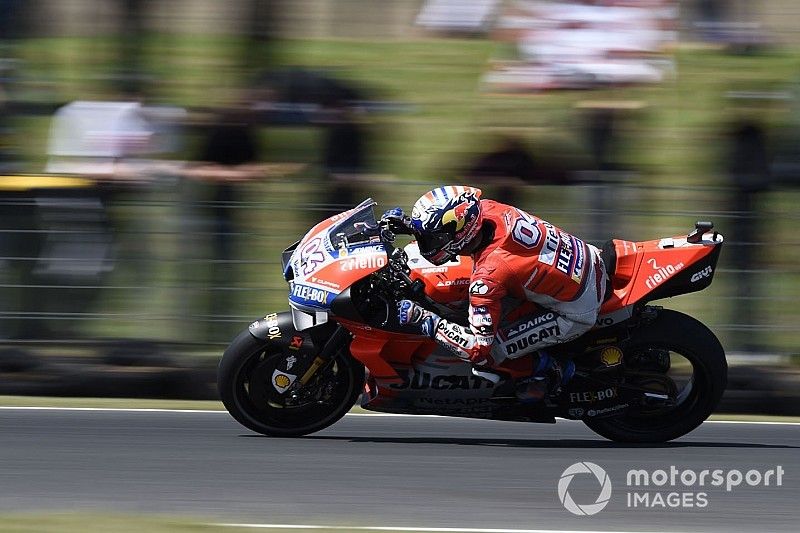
447 283
332 256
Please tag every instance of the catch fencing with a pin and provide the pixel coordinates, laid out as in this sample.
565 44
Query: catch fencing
168 263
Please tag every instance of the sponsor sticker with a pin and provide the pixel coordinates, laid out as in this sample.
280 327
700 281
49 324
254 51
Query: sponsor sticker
611 356
478 287
282 381
592 396
434 270
309 294
370 249
530 324
532 337
705 273
273 331
453 282
358 262
551 241
662 273
416 380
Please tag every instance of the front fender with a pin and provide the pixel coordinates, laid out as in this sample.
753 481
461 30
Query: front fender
277 329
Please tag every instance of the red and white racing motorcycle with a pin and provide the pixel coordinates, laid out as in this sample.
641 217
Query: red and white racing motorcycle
643 374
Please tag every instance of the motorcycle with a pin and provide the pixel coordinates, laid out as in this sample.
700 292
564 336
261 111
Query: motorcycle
643 373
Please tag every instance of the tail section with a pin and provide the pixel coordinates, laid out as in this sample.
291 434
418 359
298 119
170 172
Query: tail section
651 270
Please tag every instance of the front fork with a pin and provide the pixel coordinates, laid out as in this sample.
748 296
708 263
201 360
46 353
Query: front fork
319 344
338 340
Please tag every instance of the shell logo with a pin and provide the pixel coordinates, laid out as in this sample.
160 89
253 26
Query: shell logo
282 381
611 356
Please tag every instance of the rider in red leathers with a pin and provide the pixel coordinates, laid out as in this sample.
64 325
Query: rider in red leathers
516 255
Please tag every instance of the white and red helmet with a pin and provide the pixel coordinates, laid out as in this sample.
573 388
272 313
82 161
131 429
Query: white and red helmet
445 220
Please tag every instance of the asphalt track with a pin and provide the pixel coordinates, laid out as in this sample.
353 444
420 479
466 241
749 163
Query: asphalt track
426 472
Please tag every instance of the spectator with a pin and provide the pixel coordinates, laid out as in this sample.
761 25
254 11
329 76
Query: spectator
749 174
511 164
344 161
228 158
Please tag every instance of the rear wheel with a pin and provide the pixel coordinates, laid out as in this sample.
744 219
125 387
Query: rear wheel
673 356
244 381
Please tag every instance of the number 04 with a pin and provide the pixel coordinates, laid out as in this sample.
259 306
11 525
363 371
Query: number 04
526 233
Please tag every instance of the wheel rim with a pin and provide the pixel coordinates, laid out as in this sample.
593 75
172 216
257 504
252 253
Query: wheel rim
321 399
690 382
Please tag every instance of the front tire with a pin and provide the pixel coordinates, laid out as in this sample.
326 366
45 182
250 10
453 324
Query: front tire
245 388
682 335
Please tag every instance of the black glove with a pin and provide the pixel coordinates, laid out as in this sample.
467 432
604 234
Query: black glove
397 222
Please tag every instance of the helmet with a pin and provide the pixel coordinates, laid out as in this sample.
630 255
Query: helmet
445 220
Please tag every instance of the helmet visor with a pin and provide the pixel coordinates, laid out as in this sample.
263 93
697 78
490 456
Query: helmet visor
433 246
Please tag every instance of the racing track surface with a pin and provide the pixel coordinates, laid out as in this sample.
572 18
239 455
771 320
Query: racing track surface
376 471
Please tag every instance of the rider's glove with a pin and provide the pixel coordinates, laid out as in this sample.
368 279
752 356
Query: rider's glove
395 212
411 314
397 221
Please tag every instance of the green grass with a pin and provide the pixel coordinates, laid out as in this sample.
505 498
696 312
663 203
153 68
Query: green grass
450 116
675 139
97 522
115 403
83 522
755 418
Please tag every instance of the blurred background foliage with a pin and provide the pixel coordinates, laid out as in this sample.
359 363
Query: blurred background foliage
671 148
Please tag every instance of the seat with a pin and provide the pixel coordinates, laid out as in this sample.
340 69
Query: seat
608 253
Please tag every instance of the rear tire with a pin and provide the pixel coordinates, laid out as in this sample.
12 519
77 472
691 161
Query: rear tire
688 337
235 383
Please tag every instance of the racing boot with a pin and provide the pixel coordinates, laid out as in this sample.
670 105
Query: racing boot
547 379
488 374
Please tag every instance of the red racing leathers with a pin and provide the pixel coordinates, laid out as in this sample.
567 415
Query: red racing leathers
527 259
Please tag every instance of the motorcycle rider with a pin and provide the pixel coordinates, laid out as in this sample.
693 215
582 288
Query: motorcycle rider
516 255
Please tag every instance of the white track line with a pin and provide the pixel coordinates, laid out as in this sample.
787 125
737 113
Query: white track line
759 422
111 409
158 410
422 529
221 411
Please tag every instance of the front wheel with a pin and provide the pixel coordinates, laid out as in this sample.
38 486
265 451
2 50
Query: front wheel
244 381
676 356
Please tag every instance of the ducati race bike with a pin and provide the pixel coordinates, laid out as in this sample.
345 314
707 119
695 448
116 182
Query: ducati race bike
643 373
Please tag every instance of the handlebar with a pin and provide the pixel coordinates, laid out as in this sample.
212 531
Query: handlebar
394 222
414 289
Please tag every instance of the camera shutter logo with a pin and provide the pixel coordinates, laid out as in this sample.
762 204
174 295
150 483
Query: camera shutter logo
584 468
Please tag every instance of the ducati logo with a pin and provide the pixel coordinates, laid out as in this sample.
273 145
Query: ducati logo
478 287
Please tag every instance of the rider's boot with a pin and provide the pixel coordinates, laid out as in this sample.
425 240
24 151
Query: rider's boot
547 379
488 374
